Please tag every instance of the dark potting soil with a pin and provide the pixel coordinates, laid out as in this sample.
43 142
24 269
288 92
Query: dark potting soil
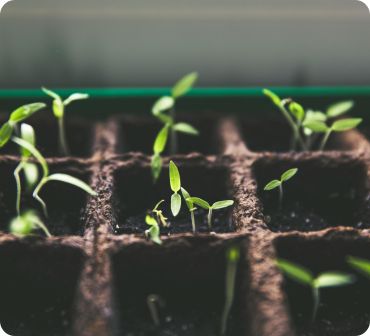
221 222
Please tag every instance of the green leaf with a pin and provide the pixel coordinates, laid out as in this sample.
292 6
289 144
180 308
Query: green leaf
296 272
25 111
275 98
316 126
288 174
186 196
72 180
175 204
31 174
272 185
150 220
338 109
297 110
156 165
175 180
74 97
58 108
162 104
201 202
52 94
333 279
6 132
315 116
27 134
222 204
161 140
345 124
362 265
154 234
233 254
184 85
185 128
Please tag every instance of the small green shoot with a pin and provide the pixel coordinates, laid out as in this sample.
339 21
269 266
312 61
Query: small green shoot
159 214
190 206
23 225
59 106
29 169
215 206
232 259
170 125
20 114
279 183
360 264
175 183
155 302
154 232
340 125
306 278
48 178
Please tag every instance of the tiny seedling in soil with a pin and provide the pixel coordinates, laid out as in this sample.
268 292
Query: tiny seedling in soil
306 278
190 206
307 125
25 224
155 303
48 178
59 106
170 126
279 183
215 206
360 264
20 114
153 222
232 259
175 183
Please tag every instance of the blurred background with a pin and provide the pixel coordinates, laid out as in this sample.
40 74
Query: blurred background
95 43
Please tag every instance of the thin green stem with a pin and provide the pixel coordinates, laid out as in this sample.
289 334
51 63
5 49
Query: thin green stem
316 302
153 302
325 139
209 218
62 137
280 196
173 133
35 195
192 220
19 187
42 226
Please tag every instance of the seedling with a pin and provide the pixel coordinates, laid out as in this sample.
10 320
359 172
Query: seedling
46 177
154 232
23 225
360 264
215 206
279 183
340 125
190 206
232 259
59 106
20 114
175 183
155 302
159 214
305 277
160 107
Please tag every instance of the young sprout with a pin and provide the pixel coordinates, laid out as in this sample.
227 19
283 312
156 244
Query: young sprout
279 183
29 169
155 302
215 206
175 183
232 259
159 109
190 206
159 214
340 125
59 106
154 232
306 278
360 264
23 225
20 114
46 177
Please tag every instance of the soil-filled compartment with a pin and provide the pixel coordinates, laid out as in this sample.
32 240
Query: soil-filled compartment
138 135
79 135
274 135
343 311
135 195
189 279
37 288
325 192
65 203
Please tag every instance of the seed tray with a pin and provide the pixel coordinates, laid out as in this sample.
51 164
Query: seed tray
93 276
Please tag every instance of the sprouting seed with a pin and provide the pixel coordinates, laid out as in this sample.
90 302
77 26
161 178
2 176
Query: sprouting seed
24 224
175 184
59 106
279 183
323 280
232 259
46 177
155 302
360 264
215 206
159 214
170 125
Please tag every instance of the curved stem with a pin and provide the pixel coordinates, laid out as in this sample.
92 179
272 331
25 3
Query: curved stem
38 198
19 187
42 226
62 137
325 140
